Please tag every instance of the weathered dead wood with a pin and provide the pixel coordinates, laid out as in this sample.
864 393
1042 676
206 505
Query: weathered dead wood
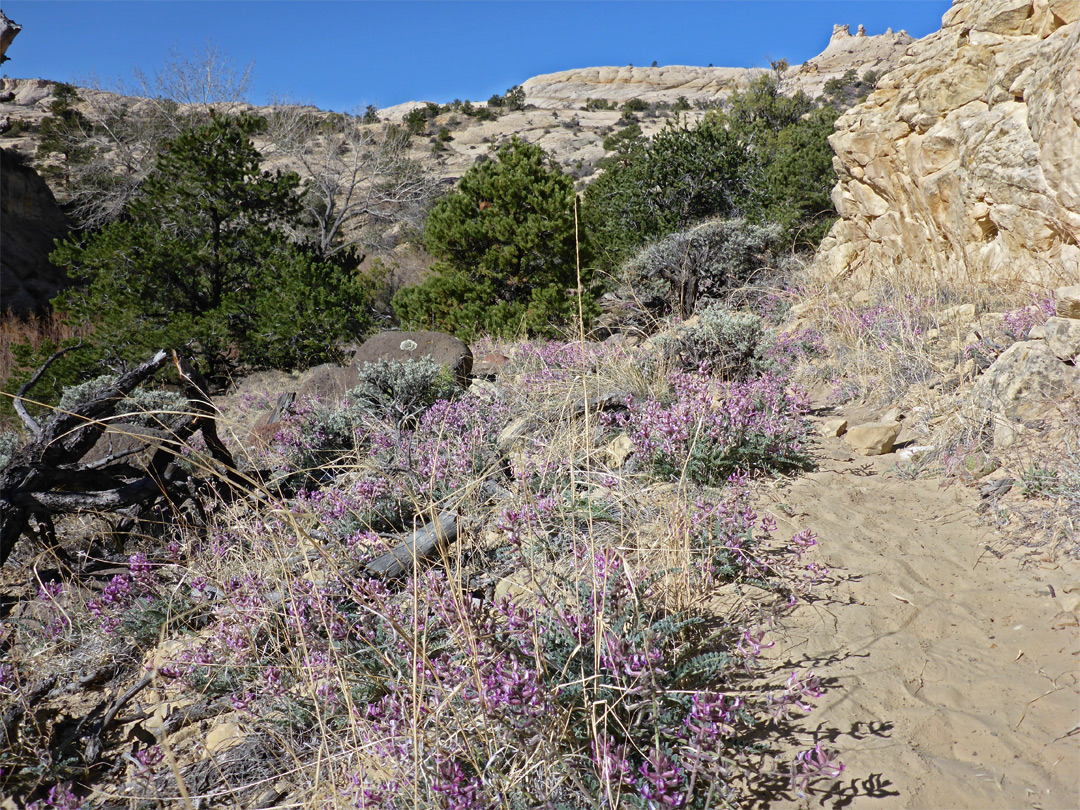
48 476
20 407
421 544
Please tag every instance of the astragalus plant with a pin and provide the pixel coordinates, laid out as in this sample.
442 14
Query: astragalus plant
565 652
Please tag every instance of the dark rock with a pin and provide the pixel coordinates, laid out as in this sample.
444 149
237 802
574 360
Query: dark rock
30 221
444 349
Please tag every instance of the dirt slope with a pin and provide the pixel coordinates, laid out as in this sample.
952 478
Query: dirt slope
952 671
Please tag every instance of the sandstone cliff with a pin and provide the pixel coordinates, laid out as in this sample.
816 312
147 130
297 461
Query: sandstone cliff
964 165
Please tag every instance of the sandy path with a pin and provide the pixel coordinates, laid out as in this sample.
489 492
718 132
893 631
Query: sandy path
949 686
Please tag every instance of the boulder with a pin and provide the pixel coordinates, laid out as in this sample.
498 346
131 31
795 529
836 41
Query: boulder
1062 335
327 383
446 350
873 438
1019 383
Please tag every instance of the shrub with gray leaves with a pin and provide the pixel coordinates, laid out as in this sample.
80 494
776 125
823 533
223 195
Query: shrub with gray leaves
732 345
146 407
401 391
677 273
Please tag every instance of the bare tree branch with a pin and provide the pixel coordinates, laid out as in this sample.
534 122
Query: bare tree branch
359 179
20 395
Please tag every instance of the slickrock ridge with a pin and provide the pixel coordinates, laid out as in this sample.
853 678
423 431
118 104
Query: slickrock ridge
710 84
964 160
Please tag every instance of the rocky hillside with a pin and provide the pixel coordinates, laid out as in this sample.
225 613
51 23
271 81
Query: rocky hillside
964 161
555 114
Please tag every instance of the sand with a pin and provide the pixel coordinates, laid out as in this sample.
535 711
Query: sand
951 667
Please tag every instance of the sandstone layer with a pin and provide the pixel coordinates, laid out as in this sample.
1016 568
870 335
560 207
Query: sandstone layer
712 84
962 165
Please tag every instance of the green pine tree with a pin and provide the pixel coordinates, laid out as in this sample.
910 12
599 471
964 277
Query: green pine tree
200 258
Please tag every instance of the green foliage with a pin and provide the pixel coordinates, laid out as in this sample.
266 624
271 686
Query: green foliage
201 259
623 140
849 89
505 238
674 273
514 98
415 121
68 370
65 129
682 175
766 158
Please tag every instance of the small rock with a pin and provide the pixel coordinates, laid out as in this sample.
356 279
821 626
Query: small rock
1007 433
915 450
831 428
224 736
862 298
518 586
873 438
1070 602
619 450
489 365
1068 301
484 389
964 313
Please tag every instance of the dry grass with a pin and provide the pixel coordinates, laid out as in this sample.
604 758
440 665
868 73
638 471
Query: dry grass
34 330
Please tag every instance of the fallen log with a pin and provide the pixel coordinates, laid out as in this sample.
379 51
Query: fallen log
48 476
423 543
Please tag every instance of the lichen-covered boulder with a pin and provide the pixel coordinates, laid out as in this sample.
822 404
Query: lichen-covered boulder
446 350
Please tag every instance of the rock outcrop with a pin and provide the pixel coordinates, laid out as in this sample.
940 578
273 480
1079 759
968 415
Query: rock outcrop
963 163
8 31
30 220
570 88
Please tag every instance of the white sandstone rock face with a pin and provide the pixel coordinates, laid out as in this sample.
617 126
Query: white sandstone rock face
710 84
963 163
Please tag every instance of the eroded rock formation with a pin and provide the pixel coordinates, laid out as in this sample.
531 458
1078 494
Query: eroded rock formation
964 165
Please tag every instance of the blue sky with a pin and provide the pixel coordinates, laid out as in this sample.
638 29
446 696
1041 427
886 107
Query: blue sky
344 55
